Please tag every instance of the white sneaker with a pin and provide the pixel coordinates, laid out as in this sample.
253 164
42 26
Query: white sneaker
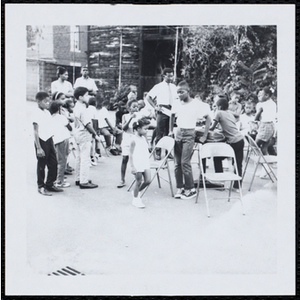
62 184
93 162
137 202
179 193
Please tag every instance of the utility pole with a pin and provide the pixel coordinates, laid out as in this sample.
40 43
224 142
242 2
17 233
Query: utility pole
120 61
176 50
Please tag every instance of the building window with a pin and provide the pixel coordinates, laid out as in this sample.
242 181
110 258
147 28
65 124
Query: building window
74 34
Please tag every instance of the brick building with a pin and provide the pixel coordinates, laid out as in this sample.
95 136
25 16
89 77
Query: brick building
123 55
52 46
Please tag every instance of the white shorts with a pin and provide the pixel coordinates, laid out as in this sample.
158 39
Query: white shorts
127 138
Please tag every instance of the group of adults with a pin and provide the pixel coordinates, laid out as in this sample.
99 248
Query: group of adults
62 84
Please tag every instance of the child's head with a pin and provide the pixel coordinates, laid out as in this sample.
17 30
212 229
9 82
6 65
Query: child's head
59 97
248 108
221 101
132 106
43 100
264 94
92 101
183 90
81 93
141 104
69 104
54 107
141 126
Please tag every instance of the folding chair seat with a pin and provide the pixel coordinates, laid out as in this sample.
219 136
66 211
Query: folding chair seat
218 150
254 153
165 143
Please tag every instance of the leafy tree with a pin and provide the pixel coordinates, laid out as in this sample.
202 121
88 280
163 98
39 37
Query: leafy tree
238 59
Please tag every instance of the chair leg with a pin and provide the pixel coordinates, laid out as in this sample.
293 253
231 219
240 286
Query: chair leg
253 176
132 183
230 190
158 180
198 187
205 195
170 180
241 196
247 161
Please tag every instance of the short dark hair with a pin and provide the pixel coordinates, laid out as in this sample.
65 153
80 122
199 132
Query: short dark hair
92 101
183 84
40 96
167 70
61 70
57 95
54 107
80 91
140 123
223 102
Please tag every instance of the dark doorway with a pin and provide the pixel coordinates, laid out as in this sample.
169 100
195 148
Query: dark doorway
157 55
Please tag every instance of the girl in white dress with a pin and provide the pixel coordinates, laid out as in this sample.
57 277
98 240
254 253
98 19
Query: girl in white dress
139 160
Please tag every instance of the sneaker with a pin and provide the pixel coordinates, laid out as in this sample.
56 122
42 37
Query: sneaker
157 156
62 184
179 193
55 189
88 185
189 194
137 202
44 191
113 152
121 184
93 162
68 172
78 183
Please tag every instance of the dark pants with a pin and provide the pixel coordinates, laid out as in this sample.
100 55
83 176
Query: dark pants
162 127
238 149
48 160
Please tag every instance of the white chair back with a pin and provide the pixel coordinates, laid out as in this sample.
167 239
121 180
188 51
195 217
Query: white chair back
216 150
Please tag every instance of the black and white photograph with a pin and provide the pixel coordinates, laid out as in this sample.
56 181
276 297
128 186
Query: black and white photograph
149 149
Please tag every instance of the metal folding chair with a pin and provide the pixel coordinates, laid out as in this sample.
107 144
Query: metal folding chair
218 150
165 143
254 153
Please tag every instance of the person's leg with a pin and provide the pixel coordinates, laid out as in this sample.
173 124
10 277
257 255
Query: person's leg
41 164
84 161
107 136
263 146
178 166
147 179
123 167
137 184
51 164
271 150
77 162
239 155
160 129
187 149
118 140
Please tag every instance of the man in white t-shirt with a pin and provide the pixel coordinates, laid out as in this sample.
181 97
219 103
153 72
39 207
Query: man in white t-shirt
86 82
164 94
188 111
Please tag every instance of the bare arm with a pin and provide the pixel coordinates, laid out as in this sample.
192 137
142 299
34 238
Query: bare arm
131 150
39 150
126 124
206 129
213 126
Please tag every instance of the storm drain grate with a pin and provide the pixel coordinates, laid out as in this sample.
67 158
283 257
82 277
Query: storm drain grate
67 271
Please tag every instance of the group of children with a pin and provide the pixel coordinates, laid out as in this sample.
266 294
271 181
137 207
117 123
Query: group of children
84 123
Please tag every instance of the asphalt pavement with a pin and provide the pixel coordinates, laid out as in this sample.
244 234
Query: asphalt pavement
98 231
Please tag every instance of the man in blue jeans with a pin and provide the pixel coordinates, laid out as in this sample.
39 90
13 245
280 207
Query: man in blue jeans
187 110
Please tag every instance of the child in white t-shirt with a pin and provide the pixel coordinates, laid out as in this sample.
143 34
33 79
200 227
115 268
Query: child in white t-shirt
139 160
188 111
61 143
